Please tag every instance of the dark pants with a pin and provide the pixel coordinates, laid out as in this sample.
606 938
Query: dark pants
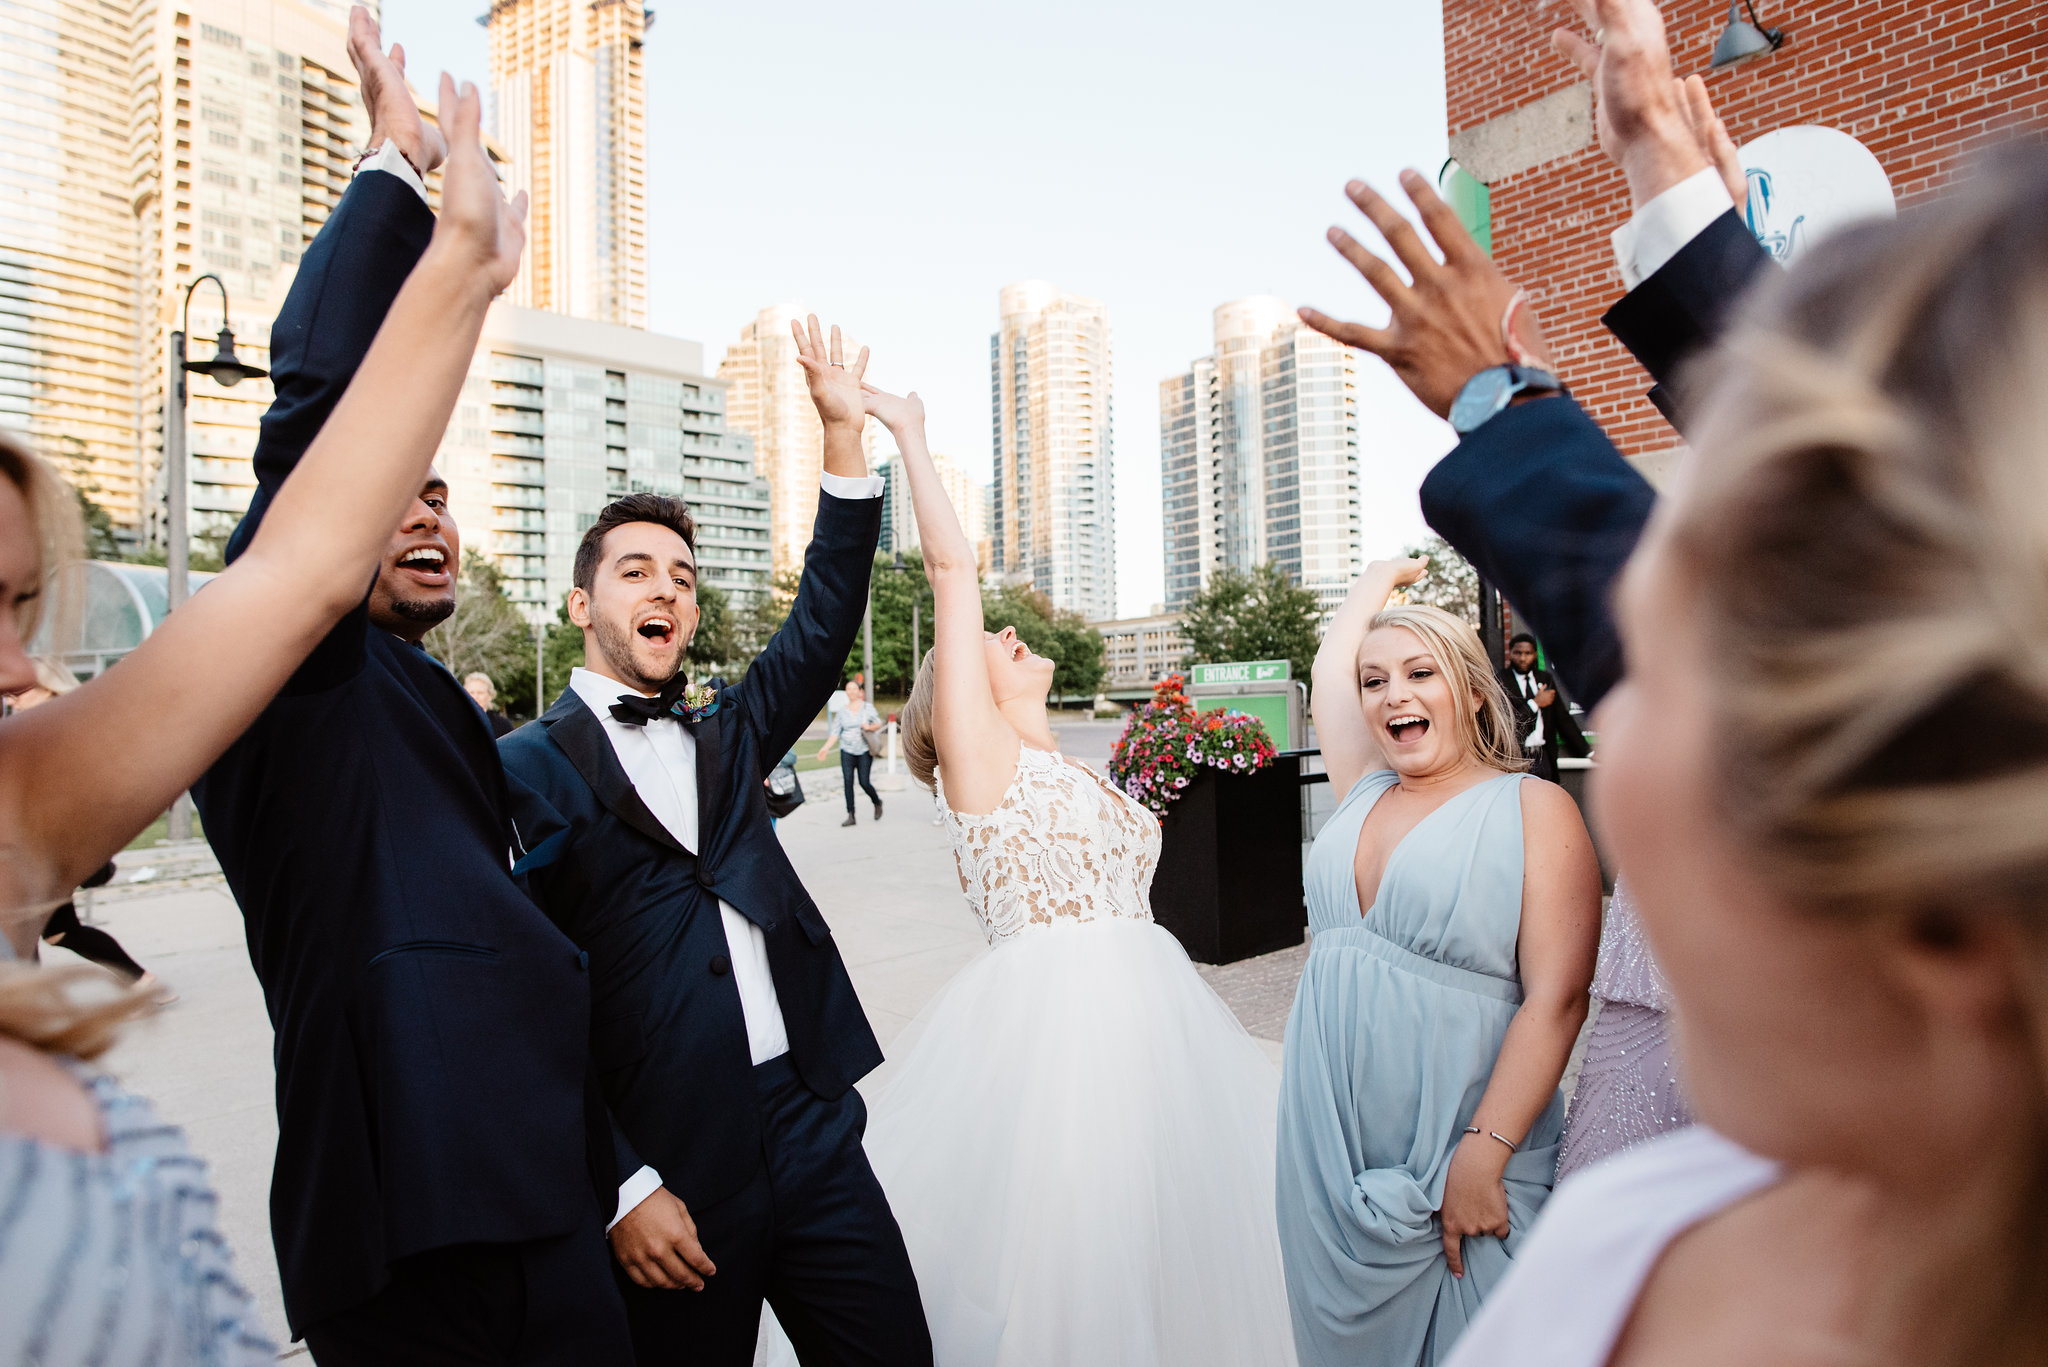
91 943
849 767
811 1233
543 1303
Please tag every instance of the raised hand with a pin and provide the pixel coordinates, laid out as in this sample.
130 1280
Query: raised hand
1642 114
476 219
835 386
1402 573
1714 143
393 115
1447 316
893 411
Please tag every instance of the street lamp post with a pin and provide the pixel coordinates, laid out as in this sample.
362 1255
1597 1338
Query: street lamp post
227 370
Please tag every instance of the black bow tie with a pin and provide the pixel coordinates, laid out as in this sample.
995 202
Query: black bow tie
634 710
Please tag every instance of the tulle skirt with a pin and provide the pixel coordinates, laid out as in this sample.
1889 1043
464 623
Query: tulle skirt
1079 1148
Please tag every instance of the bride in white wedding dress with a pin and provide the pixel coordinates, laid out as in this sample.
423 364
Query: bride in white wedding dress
1079 1142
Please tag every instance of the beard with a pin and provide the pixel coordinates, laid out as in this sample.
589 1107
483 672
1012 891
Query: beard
616 644
426 612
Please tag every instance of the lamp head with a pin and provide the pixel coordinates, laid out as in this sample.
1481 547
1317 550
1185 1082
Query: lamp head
227 369
1741 40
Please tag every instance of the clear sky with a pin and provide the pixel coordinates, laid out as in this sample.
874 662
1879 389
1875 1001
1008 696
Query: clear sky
894 163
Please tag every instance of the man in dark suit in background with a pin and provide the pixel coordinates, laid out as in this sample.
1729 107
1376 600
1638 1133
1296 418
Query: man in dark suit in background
1543 720
726 1034
432 1200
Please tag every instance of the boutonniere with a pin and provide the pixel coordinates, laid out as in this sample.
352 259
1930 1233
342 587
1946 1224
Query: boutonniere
697 702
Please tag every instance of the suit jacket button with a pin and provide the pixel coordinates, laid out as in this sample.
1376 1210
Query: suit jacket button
720 965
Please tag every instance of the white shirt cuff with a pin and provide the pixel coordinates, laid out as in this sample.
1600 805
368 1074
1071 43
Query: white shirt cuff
851 486
388 158
632 1192
1660 231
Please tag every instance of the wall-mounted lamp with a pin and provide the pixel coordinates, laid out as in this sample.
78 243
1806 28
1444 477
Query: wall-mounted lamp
1744 38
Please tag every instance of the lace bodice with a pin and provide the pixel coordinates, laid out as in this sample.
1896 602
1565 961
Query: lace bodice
1063 847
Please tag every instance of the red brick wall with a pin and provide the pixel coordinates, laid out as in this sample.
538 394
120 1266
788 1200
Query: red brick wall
1925 86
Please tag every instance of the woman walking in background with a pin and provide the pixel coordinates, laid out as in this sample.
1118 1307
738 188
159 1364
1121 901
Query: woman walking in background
1455 908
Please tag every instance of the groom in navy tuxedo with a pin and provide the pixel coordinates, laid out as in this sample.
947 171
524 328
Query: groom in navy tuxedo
725 1033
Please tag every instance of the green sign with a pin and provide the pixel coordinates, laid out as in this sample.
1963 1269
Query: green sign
1247 672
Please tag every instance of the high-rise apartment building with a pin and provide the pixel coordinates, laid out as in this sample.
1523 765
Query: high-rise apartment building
1053 513
569 108
1259 453
152 145
969 497
768 399
561 415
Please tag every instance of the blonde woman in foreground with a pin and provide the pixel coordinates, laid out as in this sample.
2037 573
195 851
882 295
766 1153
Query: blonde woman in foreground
108 1250
1827 774
1079 1142
1455 904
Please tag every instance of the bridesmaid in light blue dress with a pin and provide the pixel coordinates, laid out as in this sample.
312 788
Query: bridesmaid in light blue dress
1403 1149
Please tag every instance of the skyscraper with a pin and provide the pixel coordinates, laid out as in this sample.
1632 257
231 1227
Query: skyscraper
1259 452
569 108
158 145
561 415
768 399
968 496
1053 511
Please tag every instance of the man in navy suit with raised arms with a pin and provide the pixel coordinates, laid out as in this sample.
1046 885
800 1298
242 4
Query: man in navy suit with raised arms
440 1148
725 1032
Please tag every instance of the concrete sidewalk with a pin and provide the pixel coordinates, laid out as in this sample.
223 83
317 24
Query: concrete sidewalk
888 888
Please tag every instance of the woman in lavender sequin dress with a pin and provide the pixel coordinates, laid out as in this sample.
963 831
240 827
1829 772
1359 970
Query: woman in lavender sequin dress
1628 1084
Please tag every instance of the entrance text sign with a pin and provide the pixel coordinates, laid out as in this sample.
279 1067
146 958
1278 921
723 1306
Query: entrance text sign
1246 672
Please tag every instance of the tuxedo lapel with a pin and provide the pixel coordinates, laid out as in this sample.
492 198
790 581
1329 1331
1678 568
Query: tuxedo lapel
577 732
710 782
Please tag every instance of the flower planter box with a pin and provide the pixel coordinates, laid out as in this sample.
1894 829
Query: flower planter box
1229 880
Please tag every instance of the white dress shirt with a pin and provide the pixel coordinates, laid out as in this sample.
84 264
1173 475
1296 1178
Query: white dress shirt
660 760
1651 238
387 157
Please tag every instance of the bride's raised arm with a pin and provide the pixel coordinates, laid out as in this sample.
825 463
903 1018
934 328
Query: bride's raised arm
977 748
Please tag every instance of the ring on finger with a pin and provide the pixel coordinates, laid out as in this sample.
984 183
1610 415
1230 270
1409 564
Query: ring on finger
1599 37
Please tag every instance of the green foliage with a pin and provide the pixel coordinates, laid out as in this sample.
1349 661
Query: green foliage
1076 649
1451 584
1259 615
488 633
715 643
99 528
753 626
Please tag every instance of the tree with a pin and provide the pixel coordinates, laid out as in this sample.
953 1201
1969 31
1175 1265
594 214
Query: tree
1451 584
99 528
486 634
1080 662
716 641
1255 615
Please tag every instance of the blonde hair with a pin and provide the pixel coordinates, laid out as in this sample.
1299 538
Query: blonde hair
1866 527
54 521
474 675
914 723
76 1010
1489 732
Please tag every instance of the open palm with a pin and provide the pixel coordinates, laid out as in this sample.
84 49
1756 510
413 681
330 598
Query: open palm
835 385
476 218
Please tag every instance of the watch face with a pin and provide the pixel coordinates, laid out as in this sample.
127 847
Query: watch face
1481 398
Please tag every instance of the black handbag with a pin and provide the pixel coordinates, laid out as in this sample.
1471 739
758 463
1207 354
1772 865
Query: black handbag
785 791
